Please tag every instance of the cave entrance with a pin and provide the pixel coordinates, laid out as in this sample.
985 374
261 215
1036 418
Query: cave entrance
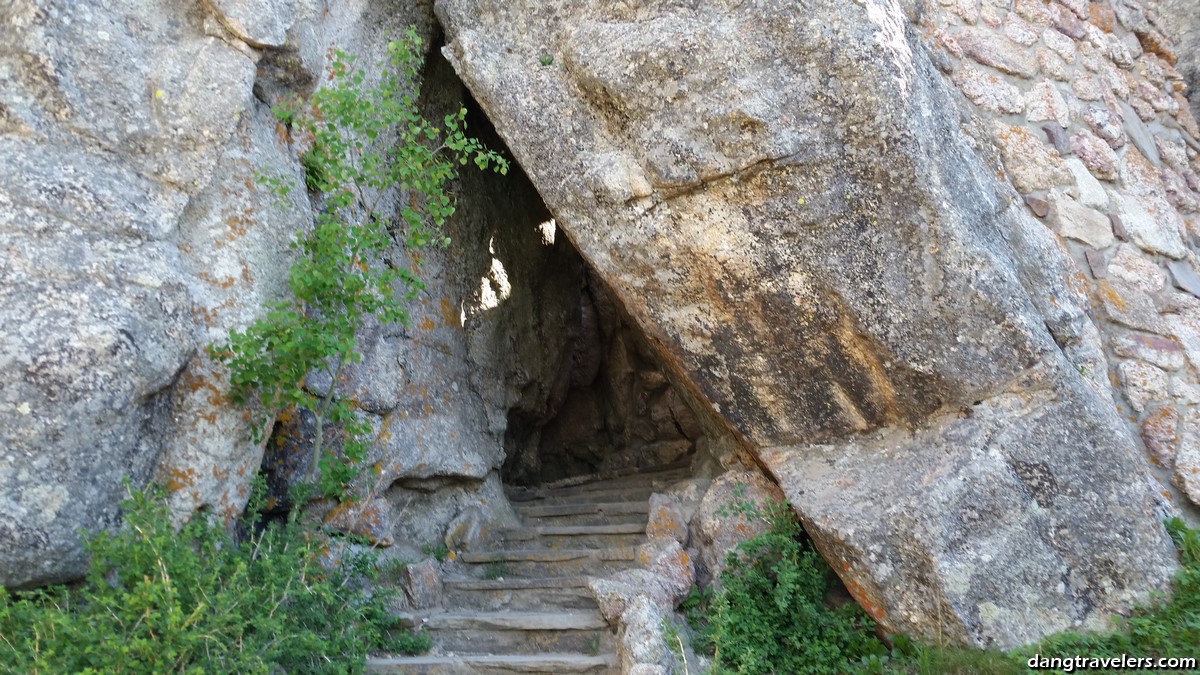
558 356
611 409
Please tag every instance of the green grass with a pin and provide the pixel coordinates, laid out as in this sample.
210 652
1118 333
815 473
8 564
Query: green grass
439 552
495 569
392 570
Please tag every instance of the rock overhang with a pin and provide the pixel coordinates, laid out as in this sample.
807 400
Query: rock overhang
849 267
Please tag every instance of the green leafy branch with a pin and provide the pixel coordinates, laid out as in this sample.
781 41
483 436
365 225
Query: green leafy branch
380 171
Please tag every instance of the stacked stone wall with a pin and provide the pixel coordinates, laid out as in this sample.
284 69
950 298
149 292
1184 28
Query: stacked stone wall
1094 128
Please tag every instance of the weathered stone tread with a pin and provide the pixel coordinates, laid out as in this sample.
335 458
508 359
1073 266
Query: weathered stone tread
517 583
538 663
549 555
633 482
542 510
506 621
613 494
570 531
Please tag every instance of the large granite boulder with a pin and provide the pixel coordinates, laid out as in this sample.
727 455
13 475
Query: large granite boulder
786 199
133 235
111 119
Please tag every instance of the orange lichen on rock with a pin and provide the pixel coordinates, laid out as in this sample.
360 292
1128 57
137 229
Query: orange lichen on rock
1109 293
180 479
370 520
1160 434
1156 43
238 225
664 522
450 315
870 604
1102 17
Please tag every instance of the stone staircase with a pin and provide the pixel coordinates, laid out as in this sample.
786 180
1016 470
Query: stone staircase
521 604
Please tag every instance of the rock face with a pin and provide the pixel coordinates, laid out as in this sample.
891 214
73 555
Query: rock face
814 245
439 394
132 234
718 526
112 122
786 201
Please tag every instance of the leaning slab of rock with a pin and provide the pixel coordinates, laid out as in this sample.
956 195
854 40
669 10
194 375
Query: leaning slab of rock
989 510
787 204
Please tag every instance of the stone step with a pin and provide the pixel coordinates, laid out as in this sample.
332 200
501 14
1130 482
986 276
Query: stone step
518 594
639 482
597 513
548 562
572 536
512 632
603 664
617 494
587 518
536 615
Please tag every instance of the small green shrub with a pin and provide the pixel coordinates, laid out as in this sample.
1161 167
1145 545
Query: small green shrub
674 641
366 140
439 552
409 643
495 569
201 601
392 570
696 611
770 615
593 645
316 173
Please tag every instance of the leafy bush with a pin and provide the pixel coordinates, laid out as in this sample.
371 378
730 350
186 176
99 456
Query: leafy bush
200 601
439 552
770 614
365 139
495 568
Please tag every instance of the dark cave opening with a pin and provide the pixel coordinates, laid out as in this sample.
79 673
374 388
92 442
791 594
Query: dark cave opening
613 410
608 407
